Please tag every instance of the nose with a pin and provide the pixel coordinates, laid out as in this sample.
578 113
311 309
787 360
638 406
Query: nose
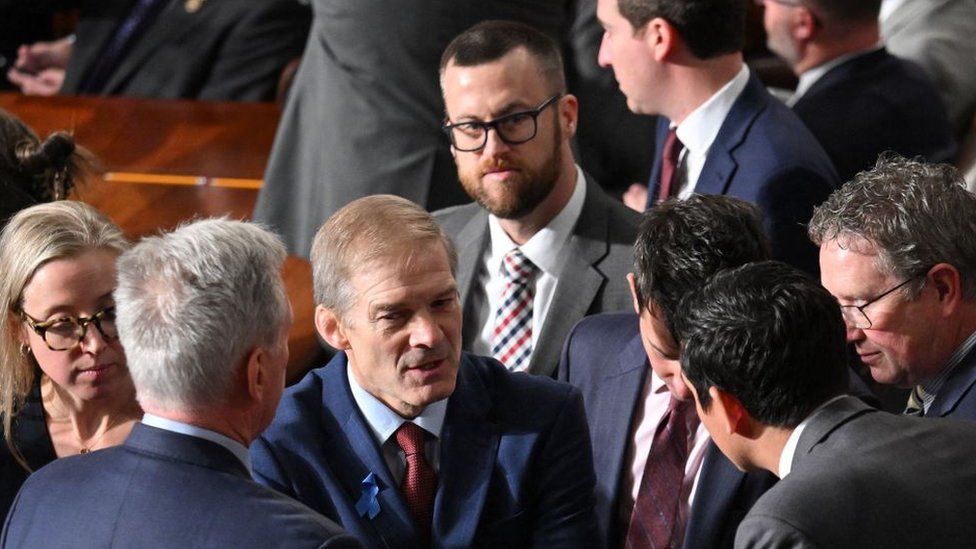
425 331
92 340
494 144
854 334
603 56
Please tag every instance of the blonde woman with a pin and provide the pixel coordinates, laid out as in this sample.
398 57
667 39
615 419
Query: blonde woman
64 385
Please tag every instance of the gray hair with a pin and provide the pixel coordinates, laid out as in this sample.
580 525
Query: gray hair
914 214
191 304
32 238
378 226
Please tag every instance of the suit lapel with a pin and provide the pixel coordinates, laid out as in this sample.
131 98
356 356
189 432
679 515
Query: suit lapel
473 239
469 446
720 164
620 389
655 178
578 283
960 382
825 421
353 462
718 483
172 22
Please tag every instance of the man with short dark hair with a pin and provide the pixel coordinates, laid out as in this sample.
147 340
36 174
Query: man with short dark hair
544 245
611 358
856 98
764 356
721 132
402 438
204 317
898 253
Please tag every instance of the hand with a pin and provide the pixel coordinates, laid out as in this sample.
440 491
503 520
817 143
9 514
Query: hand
47 82
636 197
36 57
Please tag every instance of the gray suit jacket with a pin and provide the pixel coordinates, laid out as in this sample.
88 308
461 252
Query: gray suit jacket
865 478
938 35
595 278
364 113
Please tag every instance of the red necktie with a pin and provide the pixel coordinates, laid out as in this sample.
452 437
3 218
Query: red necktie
419 480
654 520
669 165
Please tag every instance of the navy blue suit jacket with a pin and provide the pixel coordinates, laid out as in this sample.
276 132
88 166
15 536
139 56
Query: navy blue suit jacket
516 467
605 359
957 397
160 489
765 155
874 103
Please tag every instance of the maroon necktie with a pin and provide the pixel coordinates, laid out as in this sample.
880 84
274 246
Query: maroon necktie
419 481
669 165
654 520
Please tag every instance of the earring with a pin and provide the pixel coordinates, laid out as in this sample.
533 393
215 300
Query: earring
24 350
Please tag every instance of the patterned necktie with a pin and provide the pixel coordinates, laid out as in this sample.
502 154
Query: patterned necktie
654 520
419 483
669 166
915 406
143 12
512 338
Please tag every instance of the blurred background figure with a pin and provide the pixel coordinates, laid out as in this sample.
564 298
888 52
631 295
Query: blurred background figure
34 171
64 385
231 50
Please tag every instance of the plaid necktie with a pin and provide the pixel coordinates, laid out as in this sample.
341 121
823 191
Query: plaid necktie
654 520
512 338
915 406
419 483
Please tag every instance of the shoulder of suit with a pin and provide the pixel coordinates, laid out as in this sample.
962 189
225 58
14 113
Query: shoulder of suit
454 218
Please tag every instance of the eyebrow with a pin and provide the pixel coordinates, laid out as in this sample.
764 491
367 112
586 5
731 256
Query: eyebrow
397 305
511 107
63 308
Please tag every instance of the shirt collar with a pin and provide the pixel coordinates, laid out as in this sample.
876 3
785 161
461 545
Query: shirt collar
699 129
166 424
546 249
810 77
930 388
888 7
384 422
786 458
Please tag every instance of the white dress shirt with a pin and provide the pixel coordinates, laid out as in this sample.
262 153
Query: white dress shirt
810 77
547 249
699 129
384 422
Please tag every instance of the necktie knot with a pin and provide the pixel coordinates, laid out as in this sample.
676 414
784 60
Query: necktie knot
411 438
517 268
668 186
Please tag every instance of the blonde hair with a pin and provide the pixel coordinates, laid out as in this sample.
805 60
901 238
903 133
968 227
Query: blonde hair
32 238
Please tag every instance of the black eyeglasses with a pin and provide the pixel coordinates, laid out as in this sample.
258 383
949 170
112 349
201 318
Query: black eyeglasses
855 316
514 129
65 332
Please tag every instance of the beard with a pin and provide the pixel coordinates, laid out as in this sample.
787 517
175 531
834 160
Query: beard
521 194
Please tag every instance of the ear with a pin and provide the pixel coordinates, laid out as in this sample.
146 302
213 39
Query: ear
947 283
255 371
329 326
805 24
568 114
731 415
632 283
661 38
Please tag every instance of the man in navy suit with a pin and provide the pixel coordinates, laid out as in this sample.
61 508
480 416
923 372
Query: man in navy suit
856 98
897 251
721 131
609 357
204 318
403 439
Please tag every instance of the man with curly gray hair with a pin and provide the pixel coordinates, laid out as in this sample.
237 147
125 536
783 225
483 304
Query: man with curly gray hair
898 251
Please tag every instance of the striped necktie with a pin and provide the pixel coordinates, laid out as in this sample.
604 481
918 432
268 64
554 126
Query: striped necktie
512 337
916 405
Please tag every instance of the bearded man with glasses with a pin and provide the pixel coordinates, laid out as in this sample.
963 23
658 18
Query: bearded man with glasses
897 250
543 245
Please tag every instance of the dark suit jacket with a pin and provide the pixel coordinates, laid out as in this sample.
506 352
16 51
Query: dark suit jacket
364 114
957 397
875 103
602 253
866 478
604 358
765 155
160 489
516 467
32 439
230 50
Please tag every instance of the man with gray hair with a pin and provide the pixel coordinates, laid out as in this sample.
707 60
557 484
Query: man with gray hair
897 251
204 317
402 438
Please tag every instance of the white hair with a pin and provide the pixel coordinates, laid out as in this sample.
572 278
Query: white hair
191 304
